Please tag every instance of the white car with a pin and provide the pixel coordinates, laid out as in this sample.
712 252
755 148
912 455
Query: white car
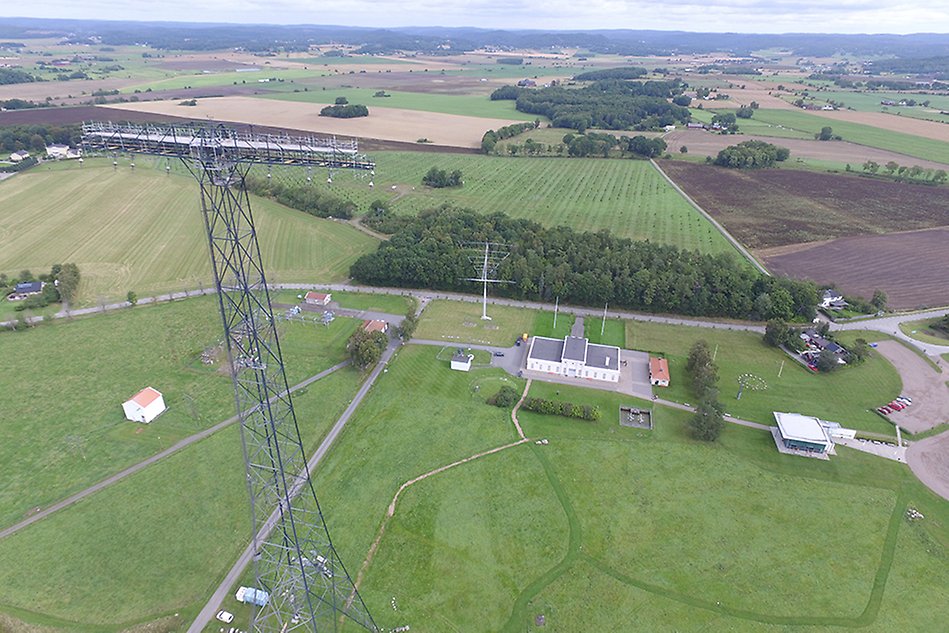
225 616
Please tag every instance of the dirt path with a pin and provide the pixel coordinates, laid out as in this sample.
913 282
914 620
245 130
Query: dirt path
923 384
390 512
929 461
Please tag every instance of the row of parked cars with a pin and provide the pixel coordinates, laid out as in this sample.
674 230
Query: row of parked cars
897 405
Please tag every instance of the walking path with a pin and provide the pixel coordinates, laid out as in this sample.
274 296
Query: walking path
131 470
395 499
211 607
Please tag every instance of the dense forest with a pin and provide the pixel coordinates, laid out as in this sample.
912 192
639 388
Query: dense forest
607 104
35 138
580 268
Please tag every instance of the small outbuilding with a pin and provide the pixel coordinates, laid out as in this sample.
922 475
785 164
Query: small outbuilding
375 325
21 155
461 361
144 406
317 298
57 151
658 372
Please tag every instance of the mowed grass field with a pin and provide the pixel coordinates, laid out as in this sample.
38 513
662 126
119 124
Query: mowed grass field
63 428
628 197
848 396
465 105
142 230
608 525
909 144
152 548
460 322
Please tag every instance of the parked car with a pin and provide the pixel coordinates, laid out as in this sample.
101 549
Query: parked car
225 616
905 400
883 410
896 406
499 353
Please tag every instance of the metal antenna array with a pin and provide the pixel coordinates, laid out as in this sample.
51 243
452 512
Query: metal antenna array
306 584
486 257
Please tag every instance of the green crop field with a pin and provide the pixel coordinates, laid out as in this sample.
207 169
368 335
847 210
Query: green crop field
465 105
608 525
152 547
847 396
918 146
94 364
628 197
143 231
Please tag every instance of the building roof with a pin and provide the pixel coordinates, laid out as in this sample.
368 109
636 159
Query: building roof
659 368
375 325
29 286
543 348
574 348
21 154
602 356
830 293
804 428
461 357
145 397
319 296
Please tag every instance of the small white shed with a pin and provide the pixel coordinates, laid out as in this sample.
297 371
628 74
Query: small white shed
462 362
144 406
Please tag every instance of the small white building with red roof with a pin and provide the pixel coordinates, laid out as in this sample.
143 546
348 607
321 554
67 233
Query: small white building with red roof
317 298
144 406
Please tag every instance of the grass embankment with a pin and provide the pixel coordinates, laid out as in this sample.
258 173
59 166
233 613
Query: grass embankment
142 230
64 384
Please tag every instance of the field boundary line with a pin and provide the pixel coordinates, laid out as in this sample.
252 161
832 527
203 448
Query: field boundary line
721 229
135 468
390 511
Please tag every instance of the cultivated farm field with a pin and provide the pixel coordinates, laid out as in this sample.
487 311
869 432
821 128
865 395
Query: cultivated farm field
774 207
142 230
607 524
628 197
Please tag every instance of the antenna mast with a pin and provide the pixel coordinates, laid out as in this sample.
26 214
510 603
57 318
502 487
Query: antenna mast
486 257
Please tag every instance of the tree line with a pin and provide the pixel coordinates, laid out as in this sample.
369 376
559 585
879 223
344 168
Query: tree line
626 72
35 138
307 199
751 155
708 421
608 104
582 268
491 137
440 178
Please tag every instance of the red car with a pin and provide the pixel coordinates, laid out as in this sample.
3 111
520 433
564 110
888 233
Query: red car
884 410
896 406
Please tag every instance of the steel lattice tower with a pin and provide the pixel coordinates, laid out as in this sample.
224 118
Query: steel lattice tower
296 563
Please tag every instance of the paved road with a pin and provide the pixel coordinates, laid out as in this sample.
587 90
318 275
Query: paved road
211 608
131 470
891 325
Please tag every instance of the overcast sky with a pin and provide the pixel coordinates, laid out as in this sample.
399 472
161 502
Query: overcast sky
746 16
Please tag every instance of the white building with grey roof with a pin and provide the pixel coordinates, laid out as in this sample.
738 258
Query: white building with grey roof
574 357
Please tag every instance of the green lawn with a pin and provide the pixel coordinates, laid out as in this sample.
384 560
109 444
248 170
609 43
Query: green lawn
460 322
922 330
628 197
143 231
155 544
371 301
911 145
544 325
464 105
96 363
847 396
614 331
607 525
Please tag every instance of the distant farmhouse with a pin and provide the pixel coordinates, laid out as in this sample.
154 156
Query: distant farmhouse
25 289
60 152
16 157
833 300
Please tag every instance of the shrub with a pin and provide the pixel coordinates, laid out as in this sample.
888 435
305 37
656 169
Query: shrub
505 398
